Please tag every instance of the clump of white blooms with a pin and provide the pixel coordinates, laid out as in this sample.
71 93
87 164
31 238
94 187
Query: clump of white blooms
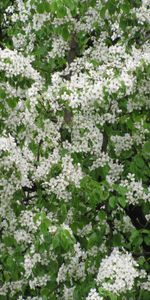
70 174
59 48
13 63
75 269
146 285
117 272
93 295
135 190
30 262
68 293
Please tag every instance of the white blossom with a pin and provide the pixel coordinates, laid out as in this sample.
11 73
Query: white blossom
117 272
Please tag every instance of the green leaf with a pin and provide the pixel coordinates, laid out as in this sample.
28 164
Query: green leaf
62 213
62 12
104 192
56 241
66 239
18 195
134 234
105 293
33 147
63 239
70 4
147 240
122 201
43 228
144 295
103 12
92 240
102 215
117 240
95 192
2 94
10 262
120 189
112 201
113 297
65 33
146 150
139 161
111 5
12 102
9 241
126 7
136 238
7 275
43 7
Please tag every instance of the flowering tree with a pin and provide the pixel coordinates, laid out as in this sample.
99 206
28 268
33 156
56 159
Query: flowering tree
75 149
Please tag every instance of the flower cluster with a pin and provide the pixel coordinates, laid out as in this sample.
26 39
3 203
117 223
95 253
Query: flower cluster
117 272
135 190
14 64
93 295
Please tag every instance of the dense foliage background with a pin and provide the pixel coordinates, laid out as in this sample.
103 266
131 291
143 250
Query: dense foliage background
75 149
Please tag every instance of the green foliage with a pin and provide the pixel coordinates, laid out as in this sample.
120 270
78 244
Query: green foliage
94 192
75 149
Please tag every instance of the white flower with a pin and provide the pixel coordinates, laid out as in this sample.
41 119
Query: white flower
93 295
117 272
14 64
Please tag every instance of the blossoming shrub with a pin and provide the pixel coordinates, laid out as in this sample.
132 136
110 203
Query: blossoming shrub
75 150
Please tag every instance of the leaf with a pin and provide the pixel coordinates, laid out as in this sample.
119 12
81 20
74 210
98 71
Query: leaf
12 102
18 195
120 189
147 240
122 201
104 192
54 6
63 239
112 201
117 240
70 4
66 239
2 93
146 150
43 228
65 33
33 147
47 7
62 12
102 215
103 12
56 241
62 213
139 161
126 7
111 5
105 293
144 295
40 8
9 241
10 262
92 190
134 235
43 7
136 239
113 297
92 240
7 276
